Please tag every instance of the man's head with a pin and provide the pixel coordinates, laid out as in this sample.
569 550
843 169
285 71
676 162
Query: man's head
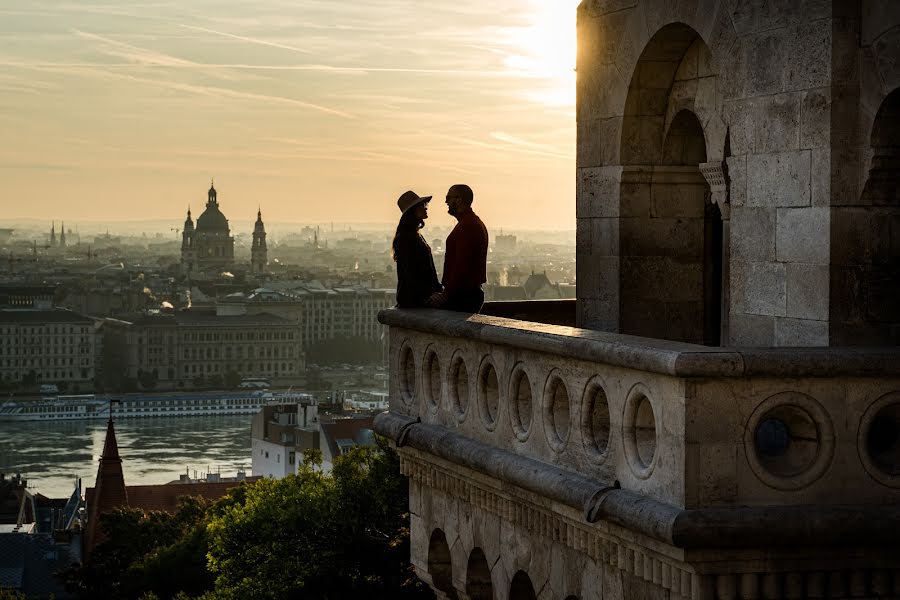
459 199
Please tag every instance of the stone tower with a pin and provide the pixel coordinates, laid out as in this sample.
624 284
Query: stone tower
62 235
259 254
188 256
53 234
717 416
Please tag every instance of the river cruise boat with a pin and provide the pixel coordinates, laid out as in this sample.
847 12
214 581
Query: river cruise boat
87 406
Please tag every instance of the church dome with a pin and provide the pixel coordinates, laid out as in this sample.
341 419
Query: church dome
212 220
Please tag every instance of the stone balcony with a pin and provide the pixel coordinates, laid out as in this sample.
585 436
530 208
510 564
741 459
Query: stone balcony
644 455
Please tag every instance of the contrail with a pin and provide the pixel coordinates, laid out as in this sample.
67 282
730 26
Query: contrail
249 39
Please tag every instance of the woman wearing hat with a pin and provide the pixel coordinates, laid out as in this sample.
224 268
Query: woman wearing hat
416 276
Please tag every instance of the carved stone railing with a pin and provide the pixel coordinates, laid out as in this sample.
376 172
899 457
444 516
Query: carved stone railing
686 425
697 472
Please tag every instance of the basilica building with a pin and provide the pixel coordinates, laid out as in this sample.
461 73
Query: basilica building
209 246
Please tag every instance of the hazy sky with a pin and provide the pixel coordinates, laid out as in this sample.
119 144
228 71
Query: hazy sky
314 109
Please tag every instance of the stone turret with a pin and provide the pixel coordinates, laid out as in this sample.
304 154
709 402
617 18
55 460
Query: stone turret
259 254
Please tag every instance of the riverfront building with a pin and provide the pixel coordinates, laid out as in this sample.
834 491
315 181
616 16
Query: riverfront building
192 346
47 346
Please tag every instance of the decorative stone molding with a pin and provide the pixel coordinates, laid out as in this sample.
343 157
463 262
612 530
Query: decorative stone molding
600 545
714 174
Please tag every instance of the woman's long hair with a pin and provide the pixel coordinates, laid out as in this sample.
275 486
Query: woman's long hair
407 228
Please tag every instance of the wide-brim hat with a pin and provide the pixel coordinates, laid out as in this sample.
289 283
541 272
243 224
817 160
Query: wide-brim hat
410 199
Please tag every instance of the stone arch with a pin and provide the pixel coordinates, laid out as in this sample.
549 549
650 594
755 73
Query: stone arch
674 51
672 239
521 588
478 577
865 271
440 565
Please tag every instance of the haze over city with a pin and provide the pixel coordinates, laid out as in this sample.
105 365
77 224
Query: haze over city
314 110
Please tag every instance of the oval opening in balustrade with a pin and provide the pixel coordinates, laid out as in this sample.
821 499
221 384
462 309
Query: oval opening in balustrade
431 375
520 407
789 440
882 439
407 375
488 394
459 386
595 420
556 412
639 432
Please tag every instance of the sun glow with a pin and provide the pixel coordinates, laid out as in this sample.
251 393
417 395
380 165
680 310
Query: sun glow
544 48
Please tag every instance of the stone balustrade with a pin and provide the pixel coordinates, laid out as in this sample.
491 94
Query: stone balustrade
686 425
573 463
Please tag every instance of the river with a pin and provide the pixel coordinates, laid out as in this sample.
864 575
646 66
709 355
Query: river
52 454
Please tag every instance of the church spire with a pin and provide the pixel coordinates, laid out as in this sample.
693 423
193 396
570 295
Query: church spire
109 488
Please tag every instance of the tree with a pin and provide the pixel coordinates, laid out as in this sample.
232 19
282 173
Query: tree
316 535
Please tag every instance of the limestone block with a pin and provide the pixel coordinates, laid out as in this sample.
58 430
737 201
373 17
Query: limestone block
738 115
762 288
847 176
777 123
820 177
683 320
705 104
807 291
600 315
815 118
809 55
888 64
642 139
582 235
661 279
635 199
682 200
597 192
598 37
601 7
653 101
598 276
737 174
752 234
611 130
765 57
589 142
605 236
716 474
734 72
803 235
672 237
845 122
878 17
845 68
800 332
778 179
751 330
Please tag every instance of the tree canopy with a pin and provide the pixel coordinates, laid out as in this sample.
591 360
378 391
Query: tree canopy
312 535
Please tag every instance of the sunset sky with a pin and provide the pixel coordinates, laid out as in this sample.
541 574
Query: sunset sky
316 110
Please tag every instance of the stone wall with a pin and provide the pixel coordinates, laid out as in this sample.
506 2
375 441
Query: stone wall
787 95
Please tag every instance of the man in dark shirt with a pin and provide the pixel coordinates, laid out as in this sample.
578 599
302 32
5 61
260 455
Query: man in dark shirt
465 256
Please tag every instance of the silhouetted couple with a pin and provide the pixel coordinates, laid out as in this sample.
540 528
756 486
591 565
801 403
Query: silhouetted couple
465 255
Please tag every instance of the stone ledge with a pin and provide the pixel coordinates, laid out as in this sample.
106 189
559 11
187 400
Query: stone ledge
648 354
745 527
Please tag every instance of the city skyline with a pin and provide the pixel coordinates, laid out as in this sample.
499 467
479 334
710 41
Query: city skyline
318 111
